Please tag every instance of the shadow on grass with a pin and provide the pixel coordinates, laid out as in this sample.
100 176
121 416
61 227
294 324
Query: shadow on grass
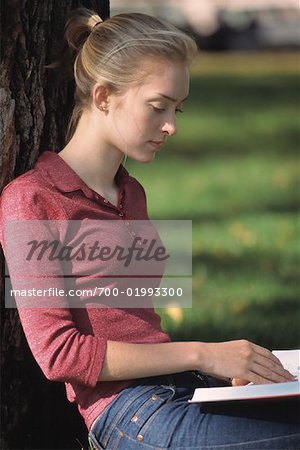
225 92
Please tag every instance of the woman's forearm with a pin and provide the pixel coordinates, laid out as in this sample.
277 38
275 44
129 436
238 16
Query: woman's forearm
125 361
233 359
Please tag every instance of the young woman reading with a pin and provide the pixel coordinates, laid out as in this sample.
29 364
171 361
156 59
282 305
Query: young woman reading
130 382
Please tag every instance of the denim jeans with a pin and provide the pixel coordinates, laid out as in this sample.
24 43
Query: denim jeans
154 413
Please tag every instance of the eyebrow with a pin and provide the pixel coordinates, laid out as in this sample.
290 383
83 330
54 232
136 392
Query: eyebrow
172 99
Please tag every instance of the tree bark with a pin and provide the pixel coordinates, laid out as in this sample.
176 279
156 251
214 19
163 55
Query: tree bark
35 106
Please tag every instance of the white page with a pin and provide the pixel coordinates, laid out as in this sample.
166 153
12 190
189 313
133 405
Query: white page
253 391
290 360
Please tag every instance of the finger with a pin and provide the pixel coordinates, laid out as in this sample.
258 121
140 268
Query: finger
257 378
275 376
239 382
267 354
275 368
267 359
284 373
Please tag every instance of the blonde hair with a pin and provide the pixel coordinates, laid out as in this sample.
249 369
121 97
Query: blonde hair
112 52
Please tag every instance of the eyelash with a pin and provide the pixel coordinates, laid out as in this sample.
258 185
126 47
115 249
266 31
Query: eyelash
160 110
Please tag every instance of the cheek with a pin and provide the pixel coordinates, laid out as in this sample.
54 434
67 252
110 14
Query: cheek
136 123
146 119
140 121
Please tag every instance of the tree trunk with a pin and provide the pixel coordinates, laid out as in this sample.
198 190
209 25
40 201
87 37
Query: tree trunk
35 106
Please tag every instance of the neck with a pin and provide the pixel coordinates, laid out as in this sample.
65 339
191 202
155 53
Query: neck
88 154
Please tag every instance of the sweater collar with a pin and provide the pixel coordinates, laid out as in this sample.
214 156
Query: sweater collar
60 174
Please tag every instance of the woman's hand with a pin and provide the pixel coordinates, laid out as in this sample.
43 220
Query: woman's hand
243 361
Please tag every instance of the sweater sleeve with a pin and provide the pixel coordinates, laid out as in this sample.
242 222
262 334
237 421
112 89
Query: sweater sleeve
62 352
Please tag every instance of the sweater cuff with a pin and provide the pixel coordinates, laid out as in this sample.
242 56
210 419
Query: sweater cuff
97 362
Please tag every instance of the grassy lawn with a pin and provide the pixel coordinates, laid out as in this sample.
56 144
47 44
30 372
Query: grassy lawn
234 170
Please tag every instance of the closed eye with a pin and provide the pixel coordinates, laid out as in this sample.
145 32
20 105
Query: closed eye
159 110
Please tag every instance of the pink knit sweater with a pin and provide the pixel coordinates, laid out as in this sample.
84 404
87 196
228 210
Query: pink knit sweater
69 344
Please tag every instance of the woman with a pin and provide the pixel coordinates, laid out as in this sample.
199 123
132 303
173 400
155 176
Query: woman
130 382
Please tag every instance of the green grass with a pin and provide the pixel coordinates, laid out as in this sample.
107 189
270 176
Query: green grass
234 170
191 188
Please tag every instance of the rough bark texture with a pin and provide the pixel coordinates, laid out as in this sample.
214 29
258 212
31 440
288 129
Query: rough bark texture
35 106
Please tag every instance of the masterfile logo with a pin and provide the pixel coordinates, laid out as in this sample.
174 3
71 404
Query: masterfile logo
102 263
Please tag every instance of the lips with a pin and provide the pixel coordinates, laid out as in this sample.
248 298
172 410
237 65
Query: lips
156 144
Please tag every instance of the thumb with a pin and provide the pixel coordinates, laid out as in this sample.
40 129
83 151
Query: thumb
239 382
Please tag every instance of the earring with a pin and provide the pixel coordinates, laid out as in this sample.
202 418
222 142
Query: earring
102 106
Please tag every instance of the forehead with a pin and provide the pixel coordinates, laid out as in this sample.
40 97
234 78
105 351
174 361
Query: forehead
166 77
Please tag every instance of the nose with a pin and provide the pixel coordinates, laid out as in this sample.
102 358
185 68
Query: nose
170 128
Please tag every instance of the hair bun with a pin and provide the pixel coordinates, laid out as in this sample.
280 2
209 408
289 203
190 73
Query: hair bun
79 25
94 20
98 23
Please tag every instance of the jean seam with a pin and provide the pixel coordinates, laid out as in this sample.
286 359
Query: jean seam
120 415
94 441
145 405
142 444
144 429
117 439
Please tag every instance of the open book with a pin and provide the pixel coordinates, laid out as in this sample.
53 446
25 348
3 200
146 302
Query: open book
290 360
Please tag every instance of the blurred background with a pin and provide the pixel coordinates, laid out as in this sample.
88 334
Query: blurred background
227 24
234 169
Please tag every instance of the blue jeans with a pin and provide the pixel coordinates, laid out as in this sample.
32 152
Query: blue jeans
154 413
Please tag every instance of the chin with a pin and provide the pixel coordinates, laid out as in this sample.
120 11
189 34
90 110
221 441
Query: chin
144 159
147 160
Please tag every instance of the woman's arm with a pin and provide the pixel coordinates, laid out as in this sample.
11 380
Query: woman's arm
61 350
233 359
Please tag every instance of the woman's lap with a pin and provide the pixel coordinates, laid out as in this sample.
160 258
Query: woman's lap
155 414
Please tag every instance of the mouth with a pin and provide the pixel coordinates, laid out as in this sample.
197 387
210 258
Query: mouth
156 144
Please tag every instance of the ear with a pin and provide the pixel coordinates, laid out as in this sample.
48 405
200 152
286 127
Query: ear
100 95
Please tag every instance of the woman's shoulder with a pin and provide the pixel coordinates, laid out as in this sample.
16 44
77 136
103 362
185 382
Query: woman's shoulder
29 196
27 180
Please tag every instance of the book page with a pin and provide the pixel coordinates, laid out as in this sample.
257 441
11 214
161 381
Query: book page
253 391
290 359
